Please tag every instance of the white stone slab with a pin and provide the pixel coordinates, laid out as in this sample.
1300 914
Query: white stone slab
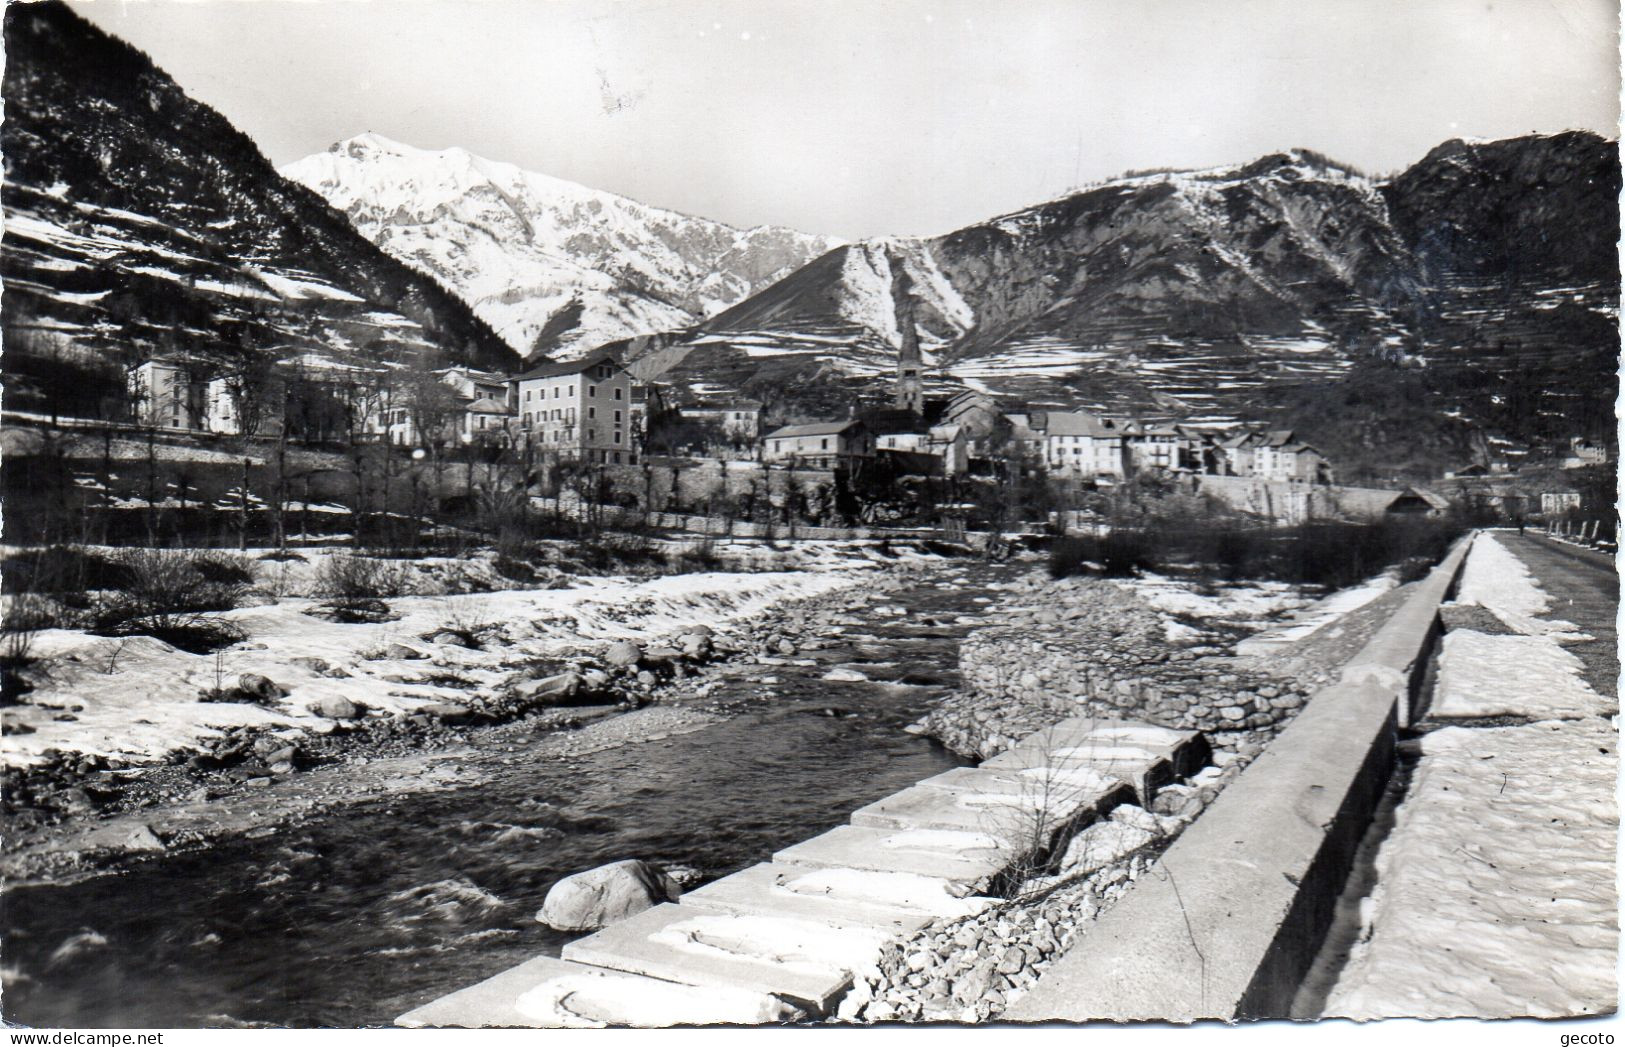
548 993
1145 771
810 964
1032 816
890 901
1186 751
968 859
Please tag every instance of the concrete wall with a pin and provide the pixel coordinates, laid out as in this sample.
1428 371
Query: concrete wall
1296 502
1230 919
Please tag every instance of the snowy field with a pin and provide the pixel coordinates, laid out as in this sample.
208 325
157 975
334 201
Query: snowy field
1496 890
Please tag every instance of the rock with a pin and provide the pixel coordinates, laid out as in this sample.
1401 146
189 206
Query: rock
1233 712
1139 817
786 647
257 688
1011 960
449 639
647 678
75 947
142 838
446 712
622 653
662 655
1102 844
844 676
550 690
337 707
318 666
401 652
599 897
287 754
973 985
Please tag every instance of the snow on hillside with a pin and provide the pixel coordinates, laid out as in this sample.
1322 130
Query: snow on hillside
537 255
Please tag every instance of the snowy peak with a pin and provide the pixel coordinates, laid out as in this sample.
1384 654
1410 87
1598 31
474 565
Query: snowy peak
555 267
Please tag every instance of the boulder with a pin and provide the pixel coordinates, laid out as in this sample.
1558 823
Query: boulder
550 690
623 652
402 652
662 655
319 666
337 707
844 676
257 688
599 897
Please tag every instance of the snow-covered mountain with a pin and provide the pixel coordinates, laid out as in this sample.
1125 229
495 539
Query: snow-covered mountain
1483 280
553 266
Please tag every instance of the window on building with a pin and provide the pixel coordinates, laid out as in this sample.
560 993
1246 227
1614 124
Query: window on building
617 436
617 417
592 390
617 392
617 453
823 445
592 412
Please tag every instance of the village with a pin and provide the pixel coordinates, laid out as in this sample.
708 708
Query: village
592 417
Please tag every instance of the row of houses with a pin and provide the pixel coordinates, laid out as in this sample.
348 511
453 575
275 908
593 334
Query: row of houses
1080 445
592 410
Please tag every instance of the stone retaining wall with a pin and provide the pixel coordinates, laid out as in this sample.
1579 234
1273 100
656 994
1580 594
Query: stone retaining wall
1084 677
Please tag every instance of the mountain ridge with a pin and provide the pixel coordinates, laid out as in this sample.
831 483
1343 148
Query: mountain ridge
555 266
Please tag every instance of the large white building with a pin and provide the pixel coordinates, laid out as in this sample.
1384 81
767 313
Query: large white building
580 410
1076 443
166 393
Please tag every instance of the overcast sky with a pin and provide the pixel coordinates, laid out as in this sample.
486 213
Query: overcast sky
863 117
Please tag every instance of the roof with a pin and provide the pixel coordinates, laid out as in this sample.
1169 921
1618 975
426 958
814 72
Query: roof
1278 438
814 429
947 431
1080 423
558 370
486 405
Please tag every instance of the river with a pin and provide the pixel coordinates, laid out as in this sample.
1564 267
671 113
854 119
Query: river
354 916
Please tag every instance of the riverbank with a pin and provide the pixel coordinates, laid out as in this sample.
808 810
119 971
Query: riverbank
115 761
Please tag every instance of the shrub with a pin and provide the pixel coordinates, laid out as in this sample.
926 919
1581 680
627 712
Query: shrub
61 569
1333 554
226 568
349 580
167 595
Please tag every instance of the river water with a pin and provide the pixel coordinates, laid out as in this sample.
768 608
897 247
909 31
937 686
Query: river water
353 917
